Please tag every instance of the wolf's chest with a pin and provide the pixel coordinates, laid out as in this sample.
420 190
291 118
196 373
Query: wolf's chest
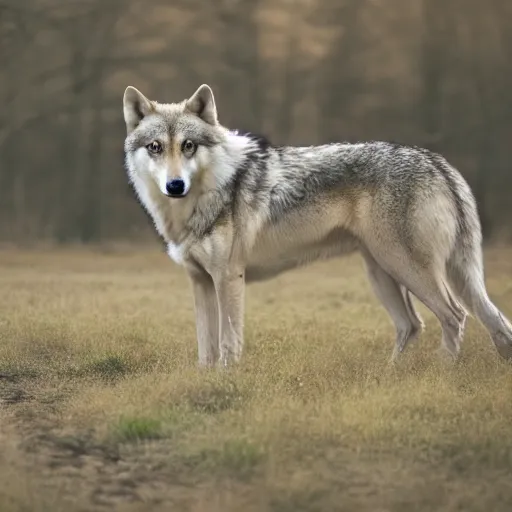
176 252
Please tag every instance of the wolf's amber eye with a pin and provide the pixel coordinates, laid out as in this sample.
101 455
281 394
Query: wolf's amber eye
154 147
188 146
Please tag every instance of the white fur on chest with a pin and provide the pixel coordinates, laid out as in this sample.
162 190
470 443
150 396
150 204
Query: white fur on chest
176 253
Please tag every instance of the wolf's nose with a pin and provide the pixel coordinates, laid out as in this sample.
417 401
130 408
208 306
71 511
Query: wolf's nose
175 187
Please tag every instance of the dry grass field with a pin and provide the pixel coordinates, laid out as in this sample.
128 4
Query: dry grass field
102 406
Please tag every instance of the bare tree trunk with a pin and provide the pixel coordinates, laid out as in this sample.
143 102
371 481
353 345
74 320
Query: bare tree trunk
483 142
69 169
241 72
90 215
342 82
285 123
433 67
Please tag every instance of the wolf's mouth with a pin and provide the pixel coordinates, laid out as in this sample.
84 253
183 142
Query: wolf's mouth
176 196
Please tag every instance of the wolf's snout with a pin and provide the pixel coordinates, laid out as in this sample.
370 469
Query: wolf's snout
175 187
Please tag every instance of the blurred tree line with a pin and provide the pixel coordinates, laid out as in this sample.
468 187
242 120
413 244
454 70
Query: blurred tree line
434 73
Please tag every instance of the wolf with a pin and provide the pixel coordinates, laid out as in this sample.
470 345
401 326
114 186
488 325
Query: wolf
233 209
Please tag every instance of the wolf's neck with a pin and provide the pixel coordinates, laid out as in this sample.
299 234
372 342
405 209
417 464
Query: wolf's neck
240 146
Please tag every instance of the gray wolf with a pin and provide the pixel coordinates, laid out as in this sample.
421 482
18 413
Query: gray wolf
233 209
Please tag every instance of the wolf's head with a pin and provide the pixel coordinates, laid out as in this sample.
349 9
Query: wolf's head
171 143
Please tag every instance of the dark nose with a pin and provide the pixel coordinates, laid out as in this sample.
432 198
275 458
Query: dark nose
175 187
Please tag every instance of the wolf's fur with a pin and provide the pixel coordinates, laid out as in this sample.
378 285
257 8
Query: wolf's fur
252 211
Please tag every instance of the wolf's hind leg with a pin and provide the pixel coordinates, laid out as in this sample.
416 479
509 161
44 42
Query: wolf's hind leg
429 284
413 314
397 302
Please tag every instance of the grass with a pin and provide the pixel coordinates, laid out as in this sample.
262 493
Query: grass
137 429
102 406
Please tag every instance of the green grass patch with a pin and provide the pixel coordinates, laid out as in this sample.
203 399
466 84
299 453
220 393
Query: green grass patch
238 458
138 429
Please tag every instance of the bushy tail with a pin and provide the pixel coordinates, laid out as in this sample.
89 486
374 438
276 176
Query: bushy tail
466 275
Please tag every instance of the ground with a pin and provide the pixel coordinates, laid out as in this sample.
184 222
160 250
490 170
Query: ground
102 406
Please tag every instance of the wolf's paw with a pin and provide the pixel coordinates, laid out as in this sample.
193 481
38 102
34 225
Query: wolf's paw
503 345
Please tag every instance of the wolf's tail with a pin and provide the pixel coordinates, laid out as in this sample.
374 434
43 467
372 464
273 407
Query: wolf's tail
466 275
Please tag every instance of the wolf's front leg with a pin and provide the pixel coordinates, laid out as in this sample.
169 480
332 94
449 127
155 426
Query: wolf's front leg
207 317
230 287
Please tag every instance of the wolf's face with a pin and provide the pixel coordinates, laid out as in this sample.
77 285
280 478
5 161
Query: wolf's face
171 143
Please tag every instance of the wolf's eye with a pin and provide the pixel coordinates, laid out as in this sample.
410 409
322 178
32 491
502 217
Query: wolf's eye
154 147
188 147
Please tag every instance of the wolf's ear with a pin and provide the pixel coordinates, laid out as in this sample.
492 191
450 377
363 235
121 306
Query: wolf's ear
135 107
202 103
